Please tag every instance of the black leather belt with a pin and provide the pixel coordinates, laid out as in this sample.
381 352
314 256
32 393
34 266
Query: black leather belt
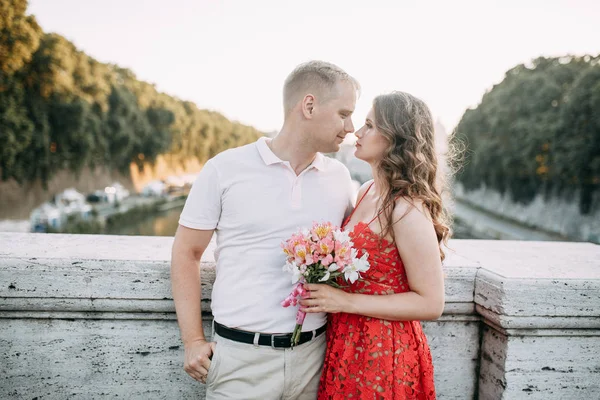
265 339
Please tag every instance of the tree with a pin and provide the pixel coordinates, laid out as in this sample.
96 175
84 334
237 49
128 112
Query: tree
60 108
577 157
19 36
535 132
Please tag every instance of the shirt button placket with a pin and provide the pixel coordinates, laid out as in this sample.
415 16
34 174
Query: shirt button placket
296 193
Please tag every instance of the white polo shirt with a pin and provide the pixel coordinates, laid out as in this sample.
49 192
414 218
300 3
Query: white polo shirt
254 201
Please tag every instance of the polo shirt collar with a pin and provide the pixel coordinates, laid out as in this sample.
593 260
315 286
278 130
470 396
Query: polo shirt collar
319 162
270 158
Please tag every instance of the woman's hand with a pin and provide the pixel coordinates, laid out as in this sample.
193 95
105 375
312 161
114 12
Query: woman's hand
325 298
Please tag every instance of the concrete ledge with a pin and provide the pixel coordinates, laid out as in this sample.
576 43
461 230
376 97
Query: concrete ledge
540 278
540 305
86 316
507 323
88 273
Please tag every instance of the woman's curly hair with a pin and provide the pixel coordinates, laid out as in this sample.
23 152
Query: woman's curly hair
409 165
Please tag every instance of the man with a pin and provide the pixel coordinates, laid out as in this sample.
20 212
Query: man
254 197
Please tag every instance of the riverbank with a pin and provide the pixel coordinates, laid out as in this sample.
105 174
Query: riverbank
555 217
472 222
17 200
110 218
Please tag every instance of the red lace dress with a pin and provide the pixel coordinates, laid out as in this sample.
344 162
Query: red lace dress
371 358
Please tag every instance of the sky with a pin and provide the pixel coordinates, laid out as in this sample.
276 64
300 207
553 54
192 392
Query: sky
233 56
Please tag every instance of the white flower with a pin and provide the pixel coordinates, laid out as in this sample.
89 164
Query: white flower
341 236
332 268
358 265
305 232
293 269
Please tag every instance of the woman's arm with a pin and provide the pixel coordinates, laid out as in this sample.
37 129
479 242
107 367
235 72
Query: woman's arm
418 247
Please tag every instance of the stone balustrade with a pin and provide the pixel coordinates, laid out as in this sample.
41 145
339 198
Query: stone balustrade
91 317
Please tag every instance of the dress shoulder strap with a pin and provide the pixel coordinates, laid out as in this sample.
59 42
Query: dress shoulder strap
359 201
381 211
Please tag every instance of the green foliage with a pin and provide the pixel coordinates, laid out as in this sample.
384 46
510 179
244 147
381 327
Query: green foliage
60 108
538 131
19 36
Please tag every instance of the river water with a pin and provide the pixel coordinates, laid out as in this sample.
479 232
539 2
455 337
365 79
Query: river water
165 224
160 224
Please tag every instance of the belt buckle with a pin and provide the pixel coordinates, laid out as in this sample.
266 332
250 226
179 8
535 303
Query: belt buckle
273 336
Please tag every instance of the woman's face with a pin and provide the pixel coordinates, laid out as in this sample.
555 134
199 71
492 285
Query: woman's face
371 144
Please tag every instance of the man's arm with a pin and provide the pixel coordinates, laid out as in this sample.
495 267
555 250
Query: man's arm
188 247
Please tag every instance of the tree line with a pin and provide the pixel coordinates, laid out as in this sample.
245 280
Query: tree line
538 131
60 108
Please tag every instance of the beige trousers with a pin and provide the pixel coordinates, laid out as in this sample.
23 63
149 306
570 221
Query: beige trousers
247 372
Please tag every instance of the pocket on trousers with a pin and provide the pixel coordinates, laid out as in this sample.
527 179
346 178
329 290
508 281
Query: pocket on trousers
214 365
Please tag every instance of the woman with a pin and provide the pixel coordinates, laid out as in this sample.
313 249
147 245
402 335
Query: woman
376 348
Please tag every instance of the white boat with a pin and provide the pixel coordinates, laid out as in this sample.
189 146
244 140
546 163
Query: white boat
70 204
154 189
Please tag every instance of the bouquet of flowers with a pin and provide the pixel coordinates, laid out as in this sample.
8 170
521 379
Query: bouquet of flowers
319 255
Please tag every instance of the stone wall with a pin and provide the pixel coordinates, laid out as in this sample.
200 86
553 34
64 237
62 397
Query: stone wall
557 214
90 317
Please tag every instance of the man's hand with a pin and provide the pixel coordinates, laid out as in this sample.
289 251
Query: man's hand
188 247
197 359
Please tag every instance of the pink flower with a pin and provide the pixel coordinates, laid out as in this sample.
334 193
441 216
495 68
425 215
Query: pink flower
328 259
326 246
292 299
290 246
300 253
340 262
320 231
342 250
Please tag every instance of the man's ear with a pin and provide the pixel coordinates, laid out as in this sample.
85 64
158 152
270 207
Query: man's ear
308 104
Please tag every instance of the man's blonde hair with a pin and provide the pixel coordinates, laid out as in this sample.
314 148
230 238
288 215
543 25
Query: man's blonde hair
315 77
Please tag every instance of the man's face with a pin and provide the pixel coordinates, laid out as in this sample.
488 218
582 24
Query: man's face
332 119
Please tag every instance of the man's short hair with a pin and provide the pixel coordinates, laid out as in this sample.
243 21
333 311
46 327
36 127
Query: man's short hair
316 77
